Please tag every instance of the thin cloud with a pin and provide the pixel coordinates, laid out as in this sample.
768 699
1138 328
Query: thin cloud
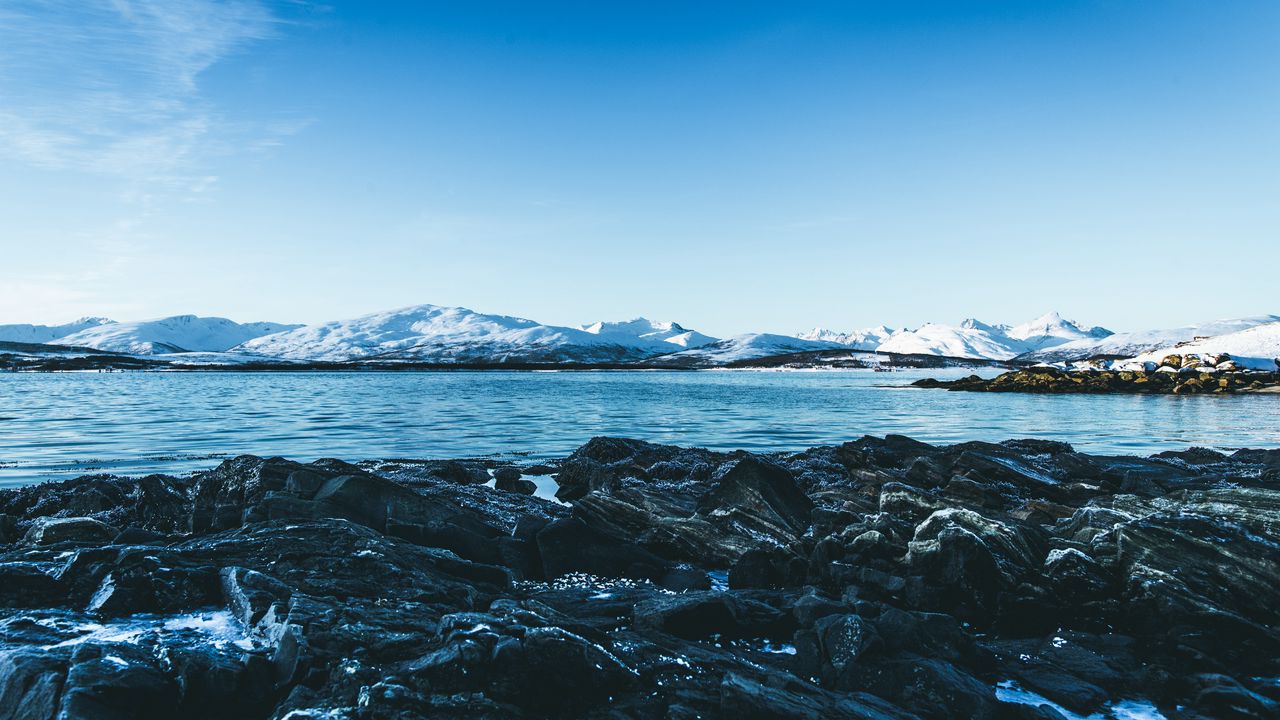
111 86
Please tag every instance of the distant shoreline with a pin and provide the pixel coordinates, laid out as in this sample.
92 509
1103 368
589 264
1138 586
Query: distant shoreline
818 360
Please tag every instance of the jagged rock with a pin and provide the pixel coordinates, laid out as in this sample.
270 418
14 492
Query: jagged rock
760 496
966 560
880 578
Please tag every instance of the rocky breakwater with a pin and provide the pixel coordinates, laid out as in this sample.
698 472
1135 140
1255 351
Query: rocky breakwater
1175 374
883 578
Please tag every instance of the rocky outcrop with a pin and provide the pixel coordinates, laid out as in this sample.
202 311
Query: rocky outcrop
1175 374
883 578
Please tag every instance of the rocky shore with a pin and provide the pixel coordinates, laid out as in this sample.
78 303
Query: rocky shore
1174 374
883 578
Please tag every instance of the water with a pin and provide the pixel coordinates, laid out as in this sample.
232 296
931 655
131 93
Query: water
63 425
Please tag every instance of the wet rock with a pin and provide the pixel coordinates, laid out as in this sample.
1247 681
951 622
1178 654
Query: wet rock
760 496
743 697
49 530
24 584
700 615
508 479
31 684
570 545
967 559
117 682
879 578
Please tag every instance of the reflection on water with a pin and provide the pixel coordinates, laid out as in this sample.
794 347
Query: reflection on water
61 425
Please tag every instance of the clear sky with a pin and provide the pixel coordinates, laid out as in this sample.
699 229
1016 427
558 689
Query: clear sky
732 166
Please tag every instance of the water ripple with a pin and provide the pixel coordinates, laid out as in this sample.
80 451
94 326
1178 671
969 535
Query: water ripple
61 425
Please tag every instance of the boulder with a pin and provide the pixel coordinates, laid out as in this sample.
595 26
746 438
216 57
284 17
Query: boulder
700 615
760 496
49 530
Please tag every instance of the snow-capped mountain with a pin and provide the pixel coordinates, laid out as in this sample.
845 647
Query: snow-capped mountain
1137 343
1050 330
430 333
865 339
1257 347
971 339
976 339
661 335
744 347
48 333
178 334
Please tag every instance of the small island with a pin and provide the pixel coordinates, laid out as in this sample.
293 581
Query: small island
1190 374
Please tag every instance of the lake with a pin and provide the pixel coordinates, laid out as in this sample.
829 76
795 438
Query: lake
57 425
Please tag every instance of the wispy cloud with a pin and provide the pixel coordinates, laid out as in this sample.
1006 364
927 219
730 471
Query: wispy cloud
112 86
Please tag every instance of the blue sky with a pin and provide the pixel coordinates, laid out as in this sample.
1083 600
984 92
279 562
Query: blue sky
731 166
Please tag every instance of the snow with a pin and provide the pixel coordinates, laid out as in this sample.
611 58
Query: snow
48 333
971 339
646 332
432 333
976 339
1257 348
864 339
1137 343
747 347
1050 330
177 334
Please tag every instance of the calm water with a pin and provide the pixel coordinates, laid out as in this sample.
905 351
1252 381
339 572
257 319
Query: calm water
61 425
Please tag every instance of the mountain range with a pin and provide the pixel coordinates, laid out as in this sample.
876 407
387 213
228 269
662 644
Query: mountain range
453 335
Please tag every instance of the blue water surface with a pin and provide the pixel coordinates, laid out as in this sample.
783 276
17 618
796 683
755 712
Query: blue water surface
56 425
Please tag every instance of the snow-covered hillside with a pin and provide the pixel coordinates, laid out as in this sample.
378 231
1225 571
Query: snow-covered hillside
662 336
1256 348
1051 330
430 333
48 333
1137 343
181 333
865 339
744 347
971 339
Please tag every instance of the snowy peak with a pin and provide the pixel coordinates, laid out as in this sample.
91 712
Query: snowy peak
745 347
864 339
48 333
647 332
971 339
436 334
177 334
1137 343
1051 329
976 324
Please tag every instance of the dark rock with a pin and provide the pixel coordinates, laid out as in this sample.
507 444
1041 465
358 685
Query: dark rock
883 578
509 480
761 497
569 545
695 616
49 530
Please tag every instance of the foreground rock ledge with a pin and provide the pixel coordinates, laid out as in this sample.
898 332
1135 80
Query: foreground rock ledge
884 578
